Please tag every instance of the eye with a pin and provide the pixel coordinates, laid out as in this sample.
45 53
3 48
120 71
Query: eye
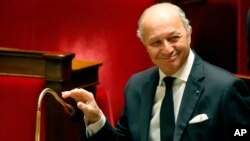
155 43
174 39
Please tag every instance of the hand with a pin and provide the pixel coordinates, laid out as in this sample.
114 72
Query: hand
86 103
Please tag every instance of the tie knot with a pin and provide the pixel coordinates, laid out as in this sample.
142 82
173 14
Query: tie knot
168 81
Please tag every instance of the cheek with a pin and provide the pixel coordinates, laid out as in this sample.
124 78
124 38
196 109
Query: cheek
188 40
183 47
152 56
183 56
153 53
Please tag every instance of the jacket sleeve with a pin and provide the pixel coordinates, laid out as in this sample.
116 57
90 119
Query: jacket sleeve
235 110
108 133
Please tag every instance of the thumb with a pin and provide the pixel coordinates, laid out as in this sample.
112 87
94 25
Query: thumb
82 106
92 114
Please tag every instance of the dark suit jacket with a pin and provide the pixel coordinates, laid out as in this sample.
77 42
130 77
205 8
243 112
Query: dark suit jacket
210 90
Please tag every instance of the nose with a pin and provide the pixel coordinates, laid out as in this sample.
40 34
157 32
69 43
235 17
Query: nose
167 47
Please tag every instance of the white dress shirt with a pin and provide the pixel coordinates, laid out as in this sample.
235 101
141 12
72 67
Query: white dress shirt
178 89
179 85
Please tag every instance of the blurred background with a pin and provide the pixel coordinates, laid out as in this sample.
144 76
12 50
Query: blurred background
105 31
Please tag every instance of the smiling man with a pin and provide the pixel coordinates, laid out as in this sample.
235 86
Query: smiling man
167 37
181 98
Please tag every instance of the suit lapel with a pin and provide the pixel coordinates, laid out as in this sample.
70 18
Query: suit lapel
191 95
147 99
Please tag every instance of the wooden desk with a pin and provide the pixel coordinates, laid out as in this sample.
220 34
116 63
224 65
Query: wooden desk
61 73
85 74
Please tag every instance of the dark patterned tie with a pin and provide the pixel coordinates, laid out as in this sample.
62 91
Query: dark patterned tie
167 120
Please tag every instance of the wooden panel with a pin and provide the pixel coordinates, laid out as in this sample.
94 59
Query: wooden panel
12 62
61 73
84 73
52 66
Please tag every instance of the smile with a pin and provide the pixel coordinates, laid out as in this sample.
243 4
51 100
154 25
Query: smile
172 56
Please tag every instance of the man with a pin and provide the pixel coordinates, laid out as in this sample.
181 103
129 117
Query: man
208 102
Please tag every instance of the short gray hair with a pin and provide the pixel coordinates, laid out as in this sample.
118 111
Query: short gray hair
181 13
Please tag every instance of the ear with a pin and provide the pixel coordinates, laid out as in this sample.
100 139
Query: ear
189 34
189 30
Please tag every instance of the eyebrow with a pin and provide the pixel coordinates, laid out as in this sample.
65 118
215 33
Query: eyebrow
172 33
175 33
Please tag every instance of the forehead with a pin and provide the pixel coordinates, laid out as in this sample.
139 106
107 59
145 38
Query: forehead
161 19
160 12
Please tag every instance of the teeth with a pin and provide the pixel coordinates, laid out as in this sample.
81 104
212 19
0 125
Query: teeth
172 55
169 57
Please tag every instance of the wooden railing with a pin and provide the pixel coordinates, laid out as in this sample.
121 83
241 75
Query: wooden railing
61 73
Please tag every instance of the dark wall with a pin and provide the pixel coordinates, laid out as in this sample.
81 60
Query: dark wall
215 33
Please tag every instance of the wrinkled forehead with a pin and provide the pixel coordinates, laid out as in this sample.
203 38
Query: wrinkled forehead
160 14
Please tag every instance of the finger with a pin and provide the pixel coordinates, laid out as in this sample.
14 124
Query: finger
78 95
65 94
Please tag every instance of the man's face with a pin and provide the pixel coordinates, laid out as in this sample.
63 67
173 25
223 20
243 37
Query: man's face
166 40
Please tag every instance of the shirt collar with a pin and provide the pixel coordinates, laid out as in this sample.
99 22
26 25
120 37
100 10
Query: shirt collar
183 72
